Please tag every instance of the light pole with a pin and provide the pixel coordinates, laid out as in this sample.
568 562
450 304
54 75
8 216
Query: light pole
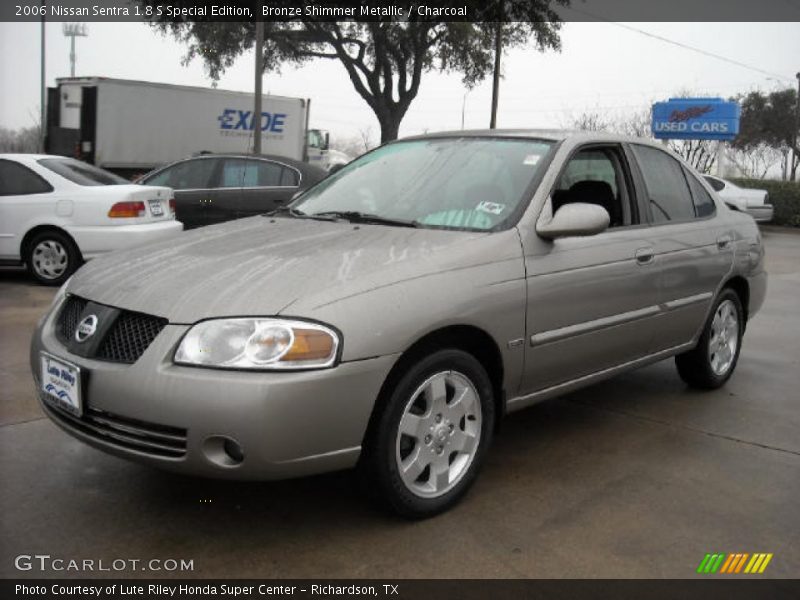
795 153
43 90
463 108
73 30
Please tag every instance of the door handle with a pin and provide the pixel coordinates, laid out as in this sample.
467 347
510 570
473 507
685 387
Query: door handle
645 256
723 241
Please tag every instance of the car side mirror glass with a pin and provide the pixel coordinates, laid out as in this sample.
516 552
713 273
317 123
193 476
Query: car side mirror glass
327 141
573 219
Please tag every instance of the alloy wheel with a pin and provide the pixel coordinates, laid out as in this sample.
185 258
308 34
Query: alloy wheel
724 339
439 434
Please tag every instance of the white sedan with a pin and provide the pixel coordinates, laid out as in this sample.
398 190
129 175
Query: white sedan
751 201
56 212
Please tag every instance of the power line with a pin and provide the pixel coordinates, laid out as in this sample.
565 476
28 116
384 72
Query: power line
684 46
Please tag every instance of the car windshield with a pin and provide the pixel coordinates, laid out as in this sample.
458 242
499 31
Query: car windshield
80 172
457 183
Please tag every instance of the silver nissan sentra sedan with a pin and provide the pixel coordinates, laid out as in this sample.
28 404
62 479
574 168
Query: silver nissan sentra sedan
389 316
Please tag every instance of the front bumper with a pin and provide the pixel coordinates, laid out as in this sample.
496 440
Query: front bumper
287 424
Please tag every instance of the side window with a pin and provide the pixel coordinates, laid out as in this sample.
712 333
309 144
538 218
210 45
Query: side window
595 176
18 180
188 175
703 204
667 191
233 172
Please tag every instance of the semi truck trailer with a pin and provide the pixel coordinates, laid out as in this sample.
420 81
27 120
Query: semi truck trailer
131 127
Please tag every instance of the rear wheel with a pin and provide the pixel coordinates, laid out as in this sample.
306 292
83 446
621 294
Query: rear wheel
51 257
711 363
430 439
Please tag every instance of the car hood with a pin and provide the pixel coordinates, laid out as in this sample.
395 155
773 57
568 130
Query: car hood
262 266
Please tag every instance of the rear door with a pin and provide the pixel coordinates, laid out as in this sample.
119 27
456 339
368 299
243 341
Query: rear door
692 250
267 185
192 182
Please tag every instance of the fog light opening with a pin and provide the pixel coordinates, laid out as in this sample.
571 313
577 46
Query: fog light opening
223 451
233 450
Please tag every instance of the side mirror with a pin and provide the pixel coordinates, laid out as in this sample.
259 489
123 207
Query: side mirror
576 218
327 141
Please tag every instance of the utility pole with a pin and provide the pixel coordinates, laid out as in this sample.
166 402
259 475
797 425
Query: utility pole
259 75
43 91
73 30
795 152
498 50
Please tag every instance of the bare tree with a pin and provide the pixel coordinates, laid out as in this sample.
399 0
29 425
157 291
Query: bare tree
755 161
589 121
25 140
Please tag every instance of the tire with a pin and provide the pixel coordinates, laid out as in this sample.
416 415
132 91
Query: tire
445 406
51 257
711 363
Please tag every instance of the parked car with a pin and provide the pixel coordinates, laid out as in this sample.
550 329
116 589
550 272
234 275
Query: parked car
395 311
56 212
212 188
748 200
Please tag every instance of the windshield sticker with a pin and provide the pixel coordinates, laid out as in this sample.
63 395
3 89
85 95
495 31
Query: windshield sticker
531 159
493 208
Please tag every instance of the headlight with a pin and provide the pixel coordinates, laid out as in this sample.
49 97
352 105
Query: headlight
258 344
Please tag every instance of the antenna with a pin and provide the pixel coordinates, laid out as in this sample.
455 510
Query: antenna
73 30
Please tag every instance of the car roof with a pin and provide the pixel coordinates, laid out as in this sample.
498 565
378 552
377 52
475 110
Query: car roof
274 157
556 135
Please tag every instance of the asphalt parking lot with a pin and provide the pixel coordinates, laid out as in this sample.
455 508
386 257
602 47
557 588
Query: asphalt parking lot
635 477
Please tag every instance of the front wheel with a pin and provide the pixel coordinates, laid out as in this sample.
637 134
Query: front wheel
432 434
711 363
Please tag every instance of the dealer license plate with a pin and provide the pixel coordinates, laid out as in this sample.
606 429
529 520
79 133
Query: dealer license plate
156 209
61 384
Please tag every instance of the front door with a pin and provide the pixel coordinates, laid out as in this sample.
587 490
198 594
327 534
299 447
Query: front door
592 301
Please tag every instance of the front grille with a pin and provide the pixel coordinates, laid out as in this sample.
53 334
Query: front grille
130 336
148 438
70 317
125 341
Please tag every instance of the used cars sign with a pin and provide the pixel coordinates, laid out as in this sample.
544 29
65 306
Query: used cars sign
696 119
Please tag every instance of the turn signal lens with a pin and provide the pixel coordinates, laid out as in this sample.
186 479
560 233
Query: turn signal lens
172 205
309 344
127 210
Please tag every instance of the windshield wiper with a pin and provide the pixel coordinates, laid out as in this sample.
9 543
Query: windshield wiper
355 216
297 214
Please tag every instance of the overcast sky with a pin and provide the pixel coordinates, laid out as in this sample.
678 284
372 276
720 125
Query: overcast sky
602 67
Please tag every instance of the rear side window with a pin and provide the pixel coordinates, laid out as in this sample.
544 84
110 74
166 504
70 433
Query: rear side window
667 191
703 204
716 184
18 180
81 173
289 177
